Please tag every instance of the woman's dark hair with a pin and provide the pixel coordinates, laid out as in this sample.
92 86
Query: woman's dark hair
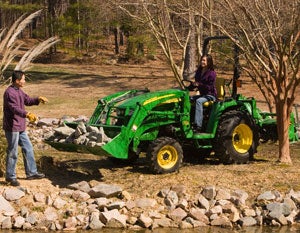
17 74
210 62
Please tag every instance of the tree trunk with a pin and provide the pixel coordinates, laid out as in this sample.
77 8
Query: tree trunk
283 120
117 33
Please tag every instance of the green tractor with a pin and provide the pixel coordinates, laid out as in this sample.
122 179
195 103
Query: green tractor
159 124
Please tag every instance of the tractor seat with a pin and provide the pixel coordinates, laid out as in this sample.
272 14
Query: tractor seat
220 86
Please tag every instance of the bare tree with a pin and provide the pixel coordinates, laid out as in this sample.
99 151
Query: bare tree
268 34
175 25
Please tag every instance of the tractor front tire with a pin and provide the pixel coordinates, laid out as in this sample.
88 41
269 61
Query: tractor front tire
164 155
237 138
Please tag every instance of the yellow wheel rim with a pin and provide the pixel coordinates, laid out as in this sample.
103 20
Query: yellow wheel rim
167 157
242 138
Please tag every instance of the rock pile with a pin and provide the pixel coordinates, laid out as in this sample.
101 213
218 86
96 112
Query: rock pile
54 130
95 205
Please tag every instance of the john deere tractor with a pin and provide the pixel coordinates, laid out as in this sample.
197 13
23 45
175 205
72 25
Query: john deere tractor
159 124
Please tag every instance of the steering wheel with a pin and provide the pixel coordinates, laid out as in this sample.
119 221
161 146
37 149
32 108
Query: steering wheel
188 85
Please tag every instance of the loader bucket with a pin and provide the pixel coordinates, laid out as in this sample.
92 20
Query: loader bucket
116 147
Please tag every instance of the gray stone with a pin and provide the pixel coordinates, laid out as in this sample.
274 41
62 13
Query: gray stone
6 223
195 223
281 208
102 202
209 192
95 222
268 196
64 131
47 122
107 215
162 222
239 197
177 214
223 194
80 196
70 223
203 202
145 202
171 200
5 206
118 221
197 214
32 218
249 212
105 190
59 203
39 197
50 215
19 221
13 194
116 205
247 221
221 221
290 203
145 221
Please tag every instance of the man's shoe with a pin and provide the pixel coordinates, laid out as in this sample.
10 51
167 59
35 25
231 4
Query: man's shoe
36 176
13 182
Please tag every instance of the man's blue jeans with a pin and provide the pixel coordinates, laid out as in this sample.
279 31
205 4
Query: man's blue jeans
15 139
199 108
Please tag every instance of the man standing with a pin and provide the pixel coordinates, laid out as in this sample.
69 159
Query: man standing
14 125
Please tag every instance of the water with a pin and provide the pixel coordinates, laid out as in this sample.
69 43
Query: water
256 229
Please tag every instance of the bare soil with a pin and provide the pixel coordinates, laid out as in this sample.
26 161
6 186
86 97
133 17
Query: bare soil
73 89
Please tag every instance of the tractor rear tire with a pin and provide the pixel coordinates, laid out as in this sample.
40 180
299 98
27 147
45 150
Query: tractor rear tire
237 138
164 155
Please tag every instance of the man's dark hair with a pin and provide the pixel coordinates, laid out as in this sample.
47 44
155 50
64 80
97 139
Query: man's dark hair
17 74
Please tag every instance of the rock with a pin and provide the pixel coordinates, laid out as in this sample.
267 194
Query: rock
177 214
18 222
105 190
107 215
95 223
266 196
118 221
50 215
203 202
239 197
171 200
247 221
145 221
221 221
39 197
59 203
6 223
64 131
5 206
13 194
223 194
198 215
145 202
209 192
80 196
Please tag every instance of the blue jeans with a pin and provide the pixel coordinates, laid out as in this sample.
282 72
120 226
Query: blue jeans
199 108
13 140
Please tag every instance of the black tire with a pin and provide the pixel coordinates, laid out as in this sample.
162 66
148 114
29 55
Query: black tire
164 155
237 138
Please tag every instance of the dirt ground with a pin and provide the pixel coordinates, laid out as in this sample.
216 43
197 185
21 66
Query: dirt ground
73 89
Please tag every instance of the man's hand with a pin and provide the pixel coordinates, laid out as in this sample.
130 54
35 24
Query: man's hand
31 117
43 99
